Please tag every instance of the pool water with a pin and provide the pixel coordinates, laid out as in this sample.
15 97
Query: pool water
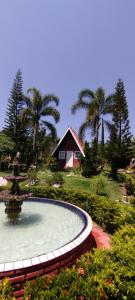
42 227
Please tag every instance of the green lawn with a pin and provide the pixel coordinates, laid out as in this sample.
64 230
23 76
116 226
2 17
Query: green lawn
76 182
81 184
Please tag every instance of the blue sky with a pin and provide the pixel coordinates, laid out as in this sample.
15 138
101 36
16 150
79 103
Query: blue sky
63 46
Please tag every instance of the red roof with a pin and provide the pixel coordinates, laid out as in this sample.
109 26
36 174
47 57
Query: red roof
79 142
76 138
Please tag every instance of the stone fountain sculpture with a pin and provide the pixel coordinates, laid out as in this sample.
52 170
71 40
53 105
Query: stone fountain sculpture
14 198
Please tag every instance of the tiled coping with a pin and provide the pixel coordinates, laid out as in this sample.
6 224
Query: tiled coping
56 254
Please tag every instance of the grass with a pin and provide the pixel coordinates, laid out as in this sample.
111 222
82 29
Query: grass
78 183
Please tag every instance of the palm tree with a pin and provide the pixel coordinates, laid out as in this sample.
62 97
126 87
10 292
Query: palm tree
37 108
96 105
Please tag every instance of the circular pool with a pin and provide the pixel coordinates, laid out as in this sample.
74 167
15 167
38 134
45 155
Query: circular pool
48 235
42 227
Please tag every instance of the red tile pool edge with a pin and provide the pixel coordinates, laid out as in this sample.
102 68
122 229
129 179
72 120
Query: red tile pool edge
97 238
18 277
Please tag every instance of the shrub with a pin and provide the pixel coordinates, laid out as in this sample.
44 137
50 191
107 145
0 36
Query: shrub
6 290
56 178
89 163
52 164
130 185
99 185
32 175
132 201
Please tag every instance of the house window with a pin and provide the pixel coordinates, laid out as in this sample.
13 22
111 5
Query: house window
61 154
77 154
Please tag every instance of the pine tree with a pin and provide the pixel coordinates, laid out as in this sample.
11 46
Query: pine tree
113 154
121 123
13 125
89 163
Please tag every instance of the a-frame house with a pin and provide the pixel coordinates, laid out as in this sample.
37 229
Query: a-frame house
69 149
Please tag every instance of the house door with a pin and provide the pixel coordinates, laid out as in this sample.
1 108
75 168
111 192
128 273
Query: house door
69 159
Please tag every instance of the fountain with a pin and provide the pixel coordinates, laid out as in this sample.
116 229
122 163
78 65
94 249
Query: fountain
47 236
14 198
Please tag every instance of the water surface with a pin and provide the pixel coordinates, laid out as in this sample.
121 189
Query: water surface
41 228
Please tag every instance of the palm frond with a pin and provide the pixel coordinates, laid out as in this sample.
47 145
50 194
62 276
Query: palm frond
108 125
92 111
79 105
35 92
27 101
99 100
85 93
51 128
83 129
26 112
100 95
50 98
108 109
36 99
53 112
95 125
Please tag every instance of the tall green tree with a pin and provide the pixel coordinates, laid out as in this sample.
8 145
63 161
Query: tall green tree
35 113
96 106
121 122
113 154
13 126
6 144
89 163
131 149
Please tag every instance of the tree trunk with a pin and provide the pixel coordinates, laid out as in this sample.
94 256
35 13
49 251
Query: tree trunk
34 144
102 145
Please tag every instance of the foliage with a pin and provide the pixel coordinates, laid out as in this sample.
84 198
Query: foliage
131 148
132 201
32 175
89 163
96 105
56 178
6 151
129 181
130 184
51 163
121 123
6 290
77 171
99 185
37 108
113 153
6 144
13 124
102 274
45 145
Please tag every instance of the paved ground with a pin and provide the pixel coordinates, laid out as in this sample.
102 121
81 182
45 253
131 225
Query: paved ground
101 237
